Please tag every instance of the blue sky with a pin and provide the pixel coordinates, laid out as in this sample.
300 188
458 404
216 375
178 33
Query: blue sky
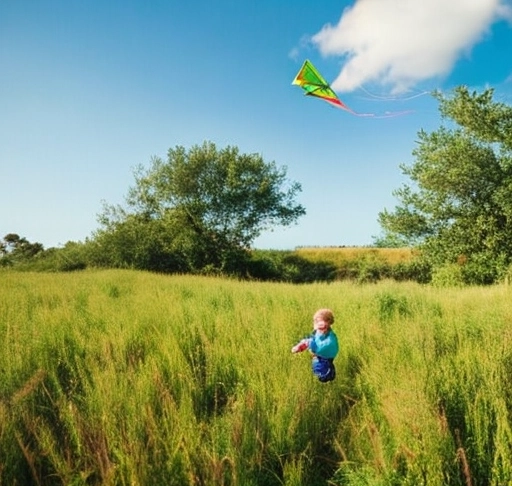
91 89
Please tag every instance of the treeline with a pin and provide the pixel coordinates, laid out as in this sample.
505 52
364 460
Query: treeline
200 211
293 266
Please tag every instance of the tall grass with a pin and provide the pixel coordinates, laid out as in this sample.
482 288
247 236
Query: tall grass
130 378
342 255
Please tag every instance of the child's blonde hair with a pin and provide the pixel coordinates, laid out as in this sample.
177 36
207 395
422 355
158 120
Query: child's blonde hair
325 314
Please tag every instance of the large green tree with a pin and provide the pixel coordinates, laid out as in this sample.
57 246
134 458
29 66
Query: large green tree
458 206
202 207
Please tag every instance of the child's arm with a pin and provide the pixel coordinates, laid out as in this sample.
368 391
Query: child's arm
301 345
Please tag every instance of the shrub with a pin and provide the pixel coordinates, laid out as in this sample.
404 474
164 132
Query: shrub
449 275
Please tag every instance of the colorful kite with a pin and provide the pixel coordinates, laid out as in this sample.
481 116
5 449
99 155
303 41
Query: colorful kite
312 82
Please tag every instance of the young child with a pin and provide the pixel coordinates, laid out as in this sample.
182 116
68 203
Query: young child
323 345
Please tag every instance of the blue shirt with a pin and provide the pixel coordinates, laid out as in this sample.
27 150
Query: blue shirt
324 345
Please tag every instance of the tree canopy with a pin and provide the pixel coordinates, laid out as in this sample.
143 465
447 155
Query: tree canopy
458 206
14 248
204 206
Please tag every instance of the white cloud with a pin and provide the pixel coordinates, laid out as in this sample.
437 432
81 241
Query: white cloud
401 42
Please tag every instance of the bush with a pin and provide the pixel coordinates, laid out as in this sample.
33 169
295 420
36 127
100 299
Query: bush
449 275
288 267
482 269
416 270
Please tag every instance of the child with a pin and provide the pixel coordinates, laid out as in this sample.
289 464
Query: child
323 344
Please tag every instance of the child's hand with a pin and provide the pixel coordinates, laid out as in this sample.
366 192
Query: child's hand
301 346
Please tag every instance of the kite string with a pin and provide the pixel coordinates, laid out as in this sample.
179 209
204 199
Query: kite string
392 98
388 114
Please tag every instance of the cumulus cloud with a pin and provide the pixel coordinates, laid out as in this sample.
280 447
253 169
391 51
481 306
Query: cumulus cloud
398 43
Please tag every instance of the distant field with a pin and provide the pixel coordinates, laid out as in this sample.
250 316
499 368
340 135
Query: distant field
339 255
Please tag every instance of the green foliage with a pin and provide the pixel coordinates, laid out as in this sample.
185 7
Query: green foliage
449 275
71 257
15 249
371 269
390 240
417 270
458 204
200 210
288 266
363 269
484 269
149 246
140 243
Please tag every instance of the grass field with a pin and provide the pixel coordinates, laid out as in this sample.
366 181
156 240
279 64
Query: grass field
131 378
340 255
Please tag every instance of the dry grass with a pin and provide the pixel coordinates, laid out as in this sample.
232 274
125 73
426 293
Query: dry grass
340 255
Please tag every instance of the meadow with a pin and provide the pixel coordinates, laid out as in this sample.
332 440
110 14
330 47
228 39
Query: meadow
119 377
345 254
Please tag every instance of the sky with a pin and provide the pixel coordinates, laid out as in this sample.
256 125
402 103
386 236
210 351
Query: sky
89 90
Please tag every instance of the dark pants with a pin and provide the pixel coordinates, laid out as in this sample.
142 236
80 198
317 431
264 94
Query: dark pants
323 368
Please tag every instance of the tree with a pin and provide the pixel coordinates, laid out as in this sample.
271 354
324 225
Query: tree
458 209
14 249
210 204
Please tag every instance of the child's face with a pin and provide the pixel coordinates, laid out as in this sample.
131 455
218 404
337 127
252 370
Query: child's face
320 325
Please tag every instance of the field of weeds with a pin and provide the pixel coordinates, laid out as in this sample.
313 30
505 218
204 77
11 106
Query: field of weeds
131 378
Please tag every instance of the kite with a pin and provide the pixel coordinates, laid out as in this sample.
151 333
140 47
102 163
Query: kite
313 83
